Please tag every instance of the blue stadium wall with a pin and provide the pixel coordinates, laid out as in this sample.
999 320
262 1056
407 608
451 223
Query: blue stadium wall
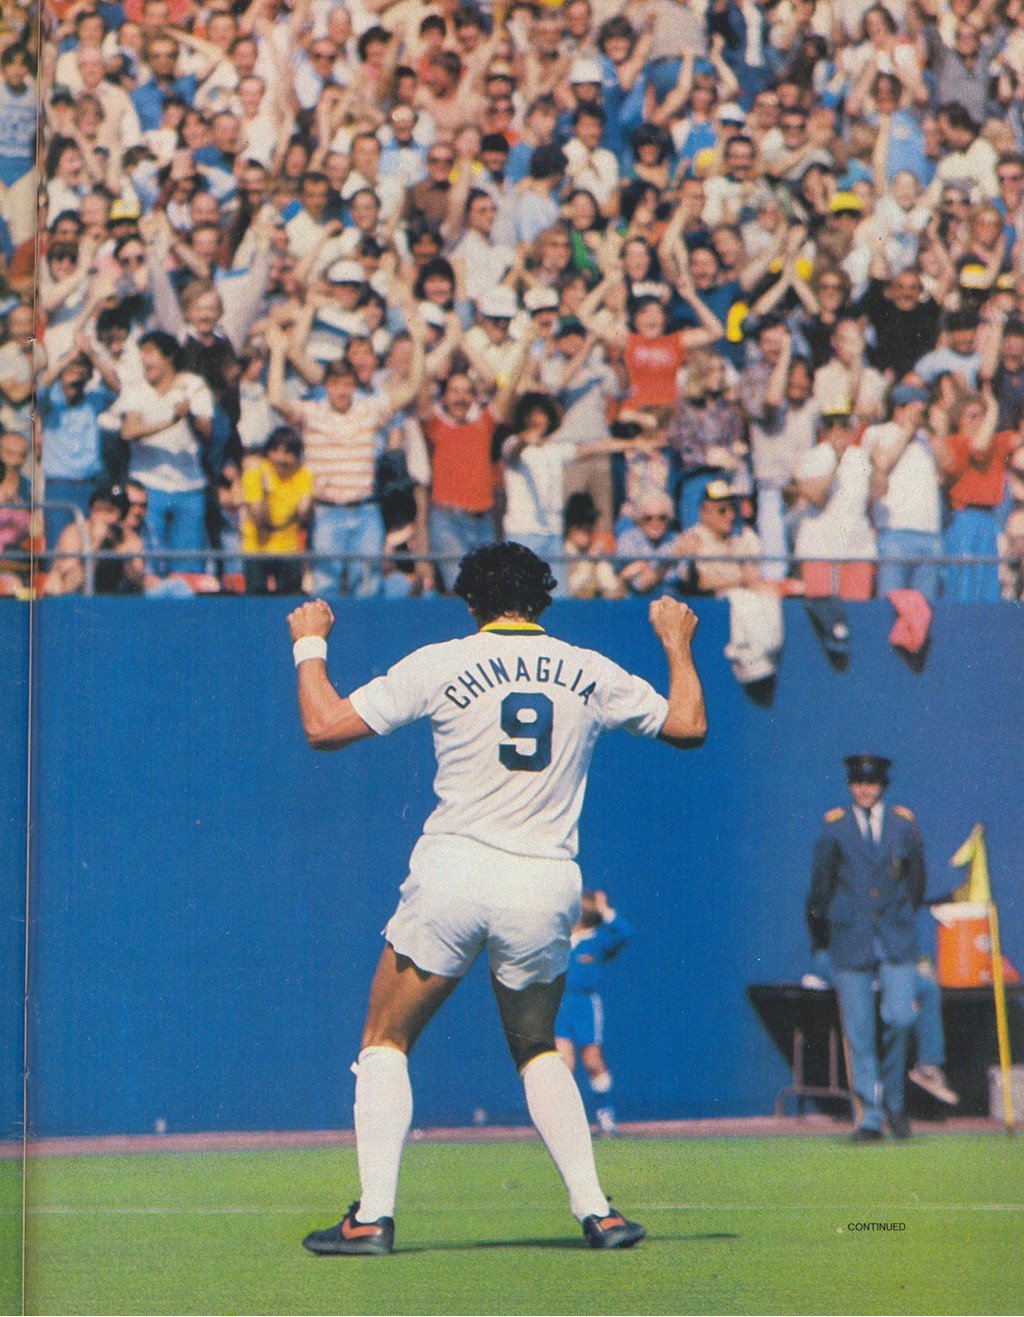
14 651
209 893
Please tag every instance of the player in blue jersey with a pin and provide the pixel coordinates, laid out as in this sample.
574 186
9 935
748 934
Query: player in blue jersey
515 715
599 936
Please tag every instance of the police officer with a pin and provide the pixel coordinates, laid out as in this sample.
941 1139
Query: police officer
867 882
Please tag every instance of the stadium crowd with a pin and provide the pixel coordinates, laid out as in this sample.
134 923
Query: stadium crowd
653 280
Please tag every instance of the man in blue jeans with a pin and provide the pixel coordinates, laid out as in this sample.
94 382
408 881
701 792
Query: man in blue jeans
907 505
928 1071
867 883
72 459
342 437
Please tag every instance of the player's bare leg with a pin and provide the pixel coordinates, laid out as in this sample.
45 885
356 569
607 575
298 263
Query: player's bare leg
556 1108
403 998
600 1079
567 1052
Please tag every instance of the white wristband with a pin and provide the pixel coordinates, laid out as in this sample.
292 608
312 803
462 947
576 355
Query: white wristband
309 647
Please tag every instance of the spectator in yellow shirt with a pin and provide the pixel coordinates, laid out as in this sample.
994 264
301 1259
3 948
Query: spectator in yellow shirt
278 497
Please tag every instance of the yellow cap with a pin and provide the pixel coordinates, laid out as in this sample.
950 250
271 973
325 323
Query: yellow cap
845 202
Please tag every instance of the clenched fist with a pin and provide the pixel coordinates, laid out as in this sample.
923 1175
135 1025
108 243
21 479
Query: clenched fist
674 623
311 619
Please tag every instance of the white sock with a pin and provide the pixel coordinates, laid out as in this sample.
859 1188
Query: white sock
556 1109
383 1114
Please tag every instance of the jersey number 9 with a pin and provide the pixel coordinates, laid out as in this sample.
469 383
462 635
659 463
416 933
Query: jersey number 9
526 717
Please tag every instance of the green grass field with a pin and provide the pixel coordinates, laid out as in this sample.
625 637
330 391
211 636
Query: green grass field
735 1225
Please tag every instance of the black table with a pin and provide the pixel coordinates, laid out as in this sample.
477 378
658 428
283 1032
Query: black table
803 1023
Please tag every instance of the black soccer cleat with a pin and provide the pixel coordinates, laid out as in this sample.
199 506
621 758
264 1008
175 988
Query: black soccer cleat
899 1126
352 1237
611 1231
862 1135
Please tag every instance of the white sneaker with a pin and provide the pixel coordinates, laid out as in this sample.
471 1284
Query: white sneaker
605 1118
813 981
933 1081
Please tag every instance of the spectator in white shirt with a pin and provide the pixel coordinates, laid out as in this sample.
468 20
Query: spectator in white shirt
167 419
834 484
589 165
906 508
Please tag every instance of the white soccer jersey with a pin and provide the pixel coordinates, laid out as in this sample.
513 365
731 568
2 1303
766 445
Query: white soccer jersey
515 715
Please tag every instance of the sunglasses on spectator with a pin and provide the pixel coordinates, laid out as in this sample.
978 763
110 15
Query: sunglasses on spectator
1015 177
132 260
655 516
440 159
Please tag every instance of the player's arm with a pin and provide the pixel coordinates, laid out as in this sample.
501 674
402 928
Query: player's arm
674 624
329 721
615 932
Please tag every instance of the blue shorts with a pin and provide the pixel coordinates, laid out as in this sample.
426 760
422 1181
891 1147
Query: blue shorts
580 1019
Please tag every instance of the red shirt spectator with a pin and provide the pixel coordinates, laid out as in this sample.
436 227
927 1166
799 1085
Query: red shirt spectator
651 364
464 474
978 482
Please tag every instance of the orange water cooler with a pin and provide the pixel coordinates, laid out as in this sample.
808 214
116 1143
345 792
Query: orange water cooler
963 950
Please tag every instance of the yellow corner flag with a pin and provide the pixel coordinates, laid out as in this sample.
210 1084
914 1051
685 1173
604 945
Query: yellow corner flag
977 889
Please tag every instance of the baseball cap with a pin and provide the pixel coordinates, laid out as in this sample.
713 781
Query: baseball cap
122 210
730 112
845 203
974 277
903 394
345 272
540 299
584 71
655 503
838 409
114 495
498 304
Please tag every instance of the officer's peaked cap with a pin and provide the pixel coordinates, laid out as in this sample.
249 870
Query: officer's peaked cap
867 768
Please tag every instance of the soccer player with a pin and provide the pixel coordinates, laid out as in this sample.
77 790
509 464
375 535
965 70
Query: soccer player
599 936
515 715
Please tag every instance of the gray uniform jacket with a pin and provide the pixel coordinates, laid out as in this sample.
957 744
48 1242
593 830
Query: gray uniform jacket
864 891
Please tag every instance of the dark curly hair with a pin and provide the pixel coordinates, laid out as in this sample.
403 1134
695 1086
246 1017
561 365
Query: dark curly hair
504 578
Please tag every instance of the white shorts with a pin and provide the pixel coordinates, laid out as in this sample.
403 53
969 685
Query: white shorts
461 896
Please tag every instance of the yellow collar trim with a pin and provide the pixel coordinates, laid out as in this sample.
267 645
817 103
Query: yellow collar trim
529 627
